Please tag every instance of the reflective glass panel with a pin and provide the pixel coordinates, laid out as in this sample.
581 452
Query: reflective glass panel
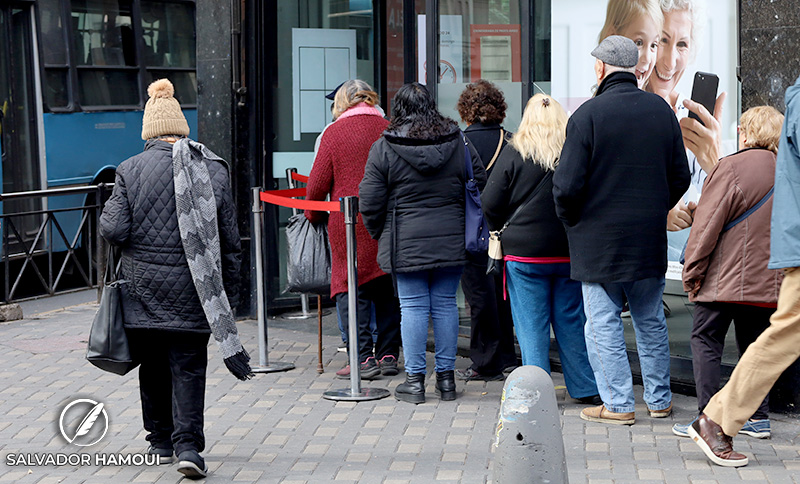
54 49
108 87
103 32
55 94
169 34
185 83
479 40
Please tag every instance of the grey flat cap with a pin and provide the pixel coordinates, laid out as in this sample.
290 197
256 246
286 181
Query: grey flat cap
616 50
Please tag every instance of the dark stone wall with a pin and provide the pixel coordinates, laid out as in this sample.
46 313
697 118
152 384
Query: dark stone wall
214 94
769 39
216 115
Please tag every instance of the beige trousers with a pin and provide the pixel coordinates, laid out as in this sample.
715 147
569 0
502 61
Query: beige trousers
762 363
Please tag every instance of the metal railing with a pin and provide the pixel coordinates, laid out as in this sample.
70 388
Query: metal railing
48 256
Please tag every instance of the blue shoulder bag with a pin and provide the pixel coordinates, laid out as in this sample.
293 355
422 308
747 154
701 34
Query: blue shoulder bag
476 231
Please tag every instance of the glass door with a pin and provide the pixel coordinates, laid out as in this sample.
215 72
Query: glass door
18 118
320 44
480 40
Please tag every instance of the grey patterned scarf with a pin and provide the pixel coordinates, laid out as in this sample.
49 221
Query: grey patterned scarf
197 221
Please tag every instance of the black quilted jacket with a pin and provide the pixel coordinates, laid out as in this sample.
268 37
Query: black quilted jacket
140 217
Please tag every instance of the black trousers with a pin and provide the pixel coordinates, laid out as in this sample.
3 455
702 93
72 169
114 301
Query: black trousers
380 292
711 323
172 385
491 345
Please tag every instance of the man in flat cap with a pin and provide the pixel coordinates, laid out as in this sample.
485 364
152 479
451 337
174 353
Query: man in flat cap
623 166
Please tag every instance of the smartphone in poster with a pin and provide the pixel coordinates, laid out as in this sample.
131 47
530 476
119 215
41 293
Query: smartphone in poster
700 39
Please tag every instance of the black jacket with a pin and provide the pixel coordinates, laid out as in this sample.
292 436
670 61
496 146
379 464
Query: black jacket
140 217
484 137
422 182
623 166
536 230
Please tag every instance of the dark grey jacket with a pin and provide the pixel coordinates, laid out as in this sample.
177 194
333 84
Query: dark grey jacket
140 217
422 182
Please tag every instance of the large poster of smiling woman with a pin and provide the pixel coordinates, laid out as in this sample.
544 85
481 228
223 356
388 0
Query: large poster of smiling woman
676 39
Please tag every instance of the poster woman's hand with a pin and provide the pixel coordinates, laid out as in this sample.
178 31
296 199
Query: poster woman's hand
704 141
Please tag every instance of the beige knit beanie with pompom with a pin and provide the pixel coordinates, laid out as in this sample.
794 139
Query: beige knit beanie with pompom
162 113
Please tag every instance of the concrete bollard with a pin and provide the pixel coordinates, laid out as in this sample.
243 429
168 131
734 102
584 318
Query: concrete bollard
530 447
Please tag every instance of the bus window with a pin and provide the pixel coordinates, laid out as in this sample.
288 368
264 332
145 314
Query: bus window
54 54
104 43
169 46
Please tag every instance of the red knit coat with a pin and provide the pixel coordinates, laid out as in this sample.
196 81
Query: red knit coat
338 169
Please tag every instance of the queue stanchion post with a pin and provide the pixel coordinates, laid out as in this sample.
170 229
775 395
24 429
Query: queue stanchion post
356 393
320 367
264 365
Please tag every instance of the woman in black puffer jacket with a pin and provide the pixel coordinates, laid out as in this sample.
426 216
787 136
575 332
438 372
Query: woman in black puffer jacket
412 200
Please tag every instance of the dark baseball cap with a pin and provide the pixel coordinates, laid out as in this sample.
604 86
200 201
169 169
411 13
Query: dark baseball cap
332 94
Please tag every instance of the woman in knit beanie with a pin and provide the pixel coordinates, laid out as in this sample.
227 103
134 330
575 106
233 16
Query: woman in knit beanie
172 214
338 169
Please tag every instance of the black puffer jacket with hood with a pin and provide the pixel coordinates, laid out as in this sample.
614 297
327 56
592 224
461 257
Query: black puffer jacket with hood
412 200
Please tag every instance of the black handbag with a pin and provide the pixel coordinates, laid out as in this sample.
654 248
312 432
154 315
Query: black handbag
108 344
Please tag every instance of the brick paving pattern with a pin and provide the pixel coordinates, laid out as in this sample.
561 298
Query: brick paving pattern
276 428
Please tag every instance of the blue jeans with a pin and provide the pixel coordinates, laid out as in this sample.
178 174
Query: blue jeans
423 294
541 295
605 341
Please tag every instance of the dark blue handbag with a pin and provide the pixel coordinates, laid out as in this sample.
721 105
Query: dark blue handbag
476 231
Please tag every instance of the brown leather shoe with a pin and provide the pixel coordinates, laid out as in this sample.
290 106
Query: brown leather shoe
717 446
661 413
604 415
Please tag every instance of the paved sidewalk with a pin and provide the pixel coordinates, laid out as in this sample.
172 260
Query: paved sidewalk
276 428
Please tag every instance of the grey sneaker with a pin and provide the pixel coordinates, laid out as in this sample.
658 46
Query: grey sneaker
192 465
369 369
388 365
759 429
682 430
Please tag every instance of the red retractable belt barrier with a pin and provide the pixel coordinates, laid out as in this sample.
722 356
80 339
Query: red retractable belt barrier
298 177
284 199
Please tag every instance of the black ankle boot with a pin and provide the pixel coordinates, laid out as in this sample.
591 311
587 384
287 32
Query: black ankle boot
413 390
446 385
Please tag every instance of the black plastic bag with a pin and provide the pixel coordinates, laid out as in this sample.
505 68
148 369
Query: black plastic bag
309 266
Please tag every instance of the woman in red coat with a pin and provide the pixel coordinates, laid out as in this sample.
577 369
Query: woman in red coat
338 169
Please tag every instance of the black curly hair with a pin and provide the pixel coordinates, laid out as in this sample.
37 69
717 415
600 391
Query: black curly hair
482 102
414 114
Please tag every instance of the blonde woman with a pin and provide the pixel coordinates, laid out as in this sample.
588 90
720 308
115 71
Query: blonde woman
641 21
520 191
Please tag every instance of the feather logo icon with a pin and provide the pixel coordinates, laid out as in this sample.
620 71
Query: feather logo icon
89 414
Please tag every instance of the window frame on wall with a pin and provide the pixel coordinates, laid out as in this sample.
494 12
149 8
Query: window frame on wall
531 72
139 69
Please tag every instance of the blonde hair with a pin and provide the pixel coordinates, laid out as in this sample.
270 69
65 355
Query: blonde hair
542 131
352 93
761 127
621 13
